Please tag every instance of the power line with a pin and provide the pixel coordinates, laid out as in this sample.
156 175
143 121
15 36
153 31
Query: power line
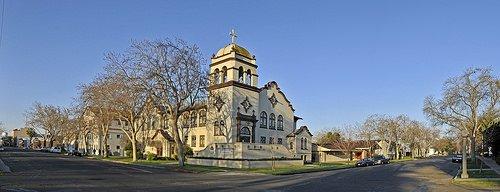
1 25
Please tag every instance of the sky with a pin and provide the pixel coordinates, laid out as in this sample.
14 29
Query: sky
336 61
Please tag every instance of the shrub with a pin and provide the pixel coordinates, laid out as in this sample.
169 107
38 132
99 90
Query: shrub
150 156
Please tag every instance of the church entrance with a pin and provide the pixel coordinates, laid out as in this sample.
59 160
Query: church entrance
245 128
245 135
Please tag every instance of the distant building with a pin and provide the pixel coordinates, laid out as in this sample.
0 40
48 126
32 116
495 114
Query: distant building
23 139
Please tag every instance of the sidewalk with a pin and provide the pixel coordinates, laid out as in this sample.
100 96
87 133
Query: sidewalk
491 163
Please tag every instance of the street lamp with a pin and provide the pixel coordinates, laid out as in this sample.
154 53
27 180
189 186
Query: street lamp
464 174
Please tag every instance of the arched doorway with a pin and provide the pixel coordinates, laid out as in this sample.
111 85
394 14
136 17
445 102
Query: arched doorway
245 135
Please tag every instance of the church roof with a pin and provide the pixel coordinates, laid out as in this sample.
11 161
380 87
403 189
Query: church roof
233 47
164 134
300 130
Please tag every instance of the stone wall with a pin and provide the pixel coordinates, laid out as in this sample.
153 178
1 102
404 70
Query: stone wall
245 164
245 151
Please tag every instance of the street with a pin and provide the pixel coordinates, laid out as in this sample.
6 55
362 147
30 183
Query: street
36 171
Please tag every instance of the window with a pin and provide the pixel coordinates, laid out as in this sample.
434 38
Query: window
224 74
117 147
263 119
222 127
291 145
301 143
216 76
248 78
271 140
245 135
203 118
118 136
202 140
263 140
240 75
280 141
280 122
193 141
216 128
185 139
185 120
272 121
193 119
305 143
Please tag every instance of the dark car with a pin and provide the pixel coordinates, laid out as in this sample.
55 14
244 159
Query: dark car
456 159
75 153
365 162
380 159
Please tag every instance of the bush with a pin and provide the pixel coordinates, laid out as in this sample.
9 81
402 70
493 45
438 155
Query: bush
150 156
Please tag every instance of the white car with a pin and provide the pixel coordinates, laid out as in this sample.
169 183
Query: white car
1 149
55 150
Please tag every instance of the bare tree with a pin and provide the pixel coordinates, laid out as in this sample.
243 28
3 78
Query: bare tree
468 103
98 100
173 74
51 119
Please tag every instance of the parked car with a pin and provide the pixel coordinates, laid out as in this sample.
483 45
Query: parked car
380 159
74 153
365 162
1 149
456 159
55 150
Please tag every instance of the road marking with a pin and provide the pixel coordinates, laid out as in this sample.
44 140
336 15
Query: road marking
4 168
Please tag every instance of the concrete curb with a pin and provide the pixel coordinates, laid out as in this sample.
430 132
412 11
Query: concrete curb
4 168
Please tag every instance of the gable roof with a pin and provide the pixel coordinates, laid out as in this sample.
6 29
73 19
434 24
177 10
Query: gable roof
300 130
164 134
273 83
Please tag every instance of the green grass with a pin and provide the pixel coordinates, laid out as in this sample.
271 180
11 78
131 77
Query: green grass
476 165
277 171
402 160
128 160
482 174
483 184
302 169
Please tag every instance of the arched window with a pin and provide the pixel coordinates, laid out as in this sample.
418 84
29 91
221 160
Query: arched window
291 145
224 74
216 128
240 75
263 119
248 78
305 143
203 118
272 121
245 134
222 127
301 143
280 122
216 76
192 120
185 120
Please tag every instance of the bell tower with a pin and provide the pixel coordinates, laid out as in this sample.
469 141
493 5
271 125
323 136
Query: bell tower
233 72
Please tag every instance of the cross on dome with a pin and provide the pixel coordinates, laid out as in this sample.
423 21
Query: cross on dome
233 36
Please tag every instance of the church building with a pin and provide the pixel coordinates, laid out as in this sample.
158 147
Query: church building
244 125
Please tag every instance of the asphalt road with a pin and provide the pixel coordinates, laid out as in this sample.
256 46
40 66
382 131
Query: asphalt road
35 171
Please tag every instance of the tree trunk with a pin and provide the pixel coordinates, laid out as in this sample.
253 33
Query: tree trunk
397 152
473 147
105 142
134 149
178 141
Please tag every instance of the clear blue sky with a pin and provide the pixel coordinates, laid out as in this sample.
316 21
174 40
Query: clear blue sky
337 62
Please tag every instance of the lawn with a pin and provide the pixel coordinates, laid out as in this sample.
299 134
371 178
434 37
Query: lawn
128 160
480 184
277 171
402 160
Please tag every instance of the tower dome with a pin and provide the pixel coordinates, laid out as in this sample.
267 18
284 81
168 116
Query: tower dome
233 47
